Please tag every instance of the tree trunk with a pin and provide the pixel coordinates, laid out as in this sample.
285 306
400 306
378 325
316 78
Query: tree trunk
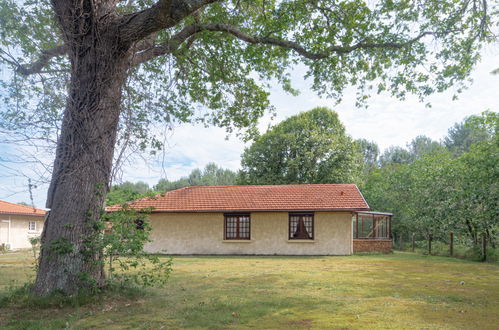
413 243
430 239
82 167
451 244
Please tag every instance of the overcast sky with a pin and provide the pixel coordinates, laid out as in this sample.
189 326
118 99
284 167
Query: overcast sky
387 121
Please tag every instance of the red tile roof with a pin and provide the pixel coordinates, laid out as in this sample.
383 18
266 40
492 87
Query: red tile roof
18 209
298 197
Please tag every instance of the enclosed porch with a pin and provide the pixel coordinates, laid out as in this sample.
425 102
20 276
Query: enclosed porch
372 231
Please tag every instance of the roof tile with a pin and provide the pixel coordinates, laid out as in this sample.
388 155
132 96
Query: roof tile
18 209
255 198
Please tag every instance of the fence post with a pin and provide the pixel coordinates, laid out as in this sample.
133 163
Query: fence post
484 247
413 242
430 238
451 249
401 242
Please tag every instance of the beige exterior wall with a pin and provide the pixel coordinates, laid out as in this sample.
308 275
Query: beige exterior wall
14 230
202 233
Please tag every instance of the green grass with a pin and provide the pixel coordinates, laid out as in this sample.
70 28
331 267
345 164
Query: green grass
394 291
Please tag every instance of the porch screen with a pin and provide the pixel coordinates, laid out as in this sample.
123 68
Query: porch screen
371 226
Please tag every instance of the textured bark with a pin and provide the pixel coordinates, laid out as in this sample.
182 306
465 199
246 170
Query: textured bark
100 45
83 160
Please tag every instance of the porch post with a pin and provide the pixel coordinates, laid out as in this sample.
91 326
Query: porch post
357 225
390 227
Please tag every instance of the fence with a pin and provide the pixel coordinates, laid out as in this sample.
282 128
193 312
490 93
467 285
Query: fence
430 246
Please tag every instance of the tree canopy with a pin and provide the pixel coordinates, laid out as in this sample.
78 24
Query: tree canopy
311 147
211 62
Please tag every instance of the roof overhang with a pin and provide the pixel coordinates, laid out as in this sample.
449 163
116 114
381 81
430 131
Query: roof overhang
250 210
374 213
22 214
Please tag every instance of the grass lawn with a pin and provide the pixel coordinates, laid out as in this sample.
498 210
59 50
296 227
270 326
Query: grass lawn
395 291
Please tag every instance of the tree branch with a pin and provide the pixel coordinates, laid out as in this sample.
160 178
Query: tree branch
172 45
162 15
43 59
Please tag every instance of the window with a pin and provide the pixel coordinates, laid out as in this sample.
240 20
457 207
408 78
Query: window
32 226
139 224
301 226
237 226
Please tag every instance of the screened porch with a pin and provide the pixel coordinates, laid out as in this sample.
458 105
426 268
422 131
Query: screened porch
372 231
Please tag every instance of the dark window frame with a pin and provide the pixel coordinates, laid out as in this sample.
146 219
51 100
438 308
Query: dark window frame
301 214
238 233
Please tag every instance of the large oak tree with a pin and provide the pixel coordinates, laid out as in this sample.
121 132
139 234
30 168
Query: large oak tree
91 74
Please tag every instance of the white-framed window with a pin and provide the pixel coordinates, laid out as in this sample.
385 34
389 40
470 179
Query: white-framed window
32 226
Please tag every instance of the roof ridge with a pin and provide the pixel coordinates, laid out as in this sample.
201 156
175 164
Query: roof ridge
270 185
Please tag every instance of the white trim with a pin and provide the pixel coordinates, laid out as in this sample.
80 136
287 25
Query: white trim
29 227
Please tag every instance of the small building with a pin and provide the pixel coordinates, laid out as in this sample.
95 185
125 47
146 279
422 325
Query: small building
305 219
19 223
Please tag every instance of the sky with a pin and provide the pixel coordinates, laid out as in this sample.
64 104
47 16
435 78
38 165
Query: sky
387 121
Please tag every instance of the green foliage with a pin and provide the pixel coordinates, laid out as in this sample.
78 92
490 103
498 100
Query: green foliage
61 246
444 189
127 191
122 246
211 175
311 147
472 130
219 79
370 152
396 155
35 247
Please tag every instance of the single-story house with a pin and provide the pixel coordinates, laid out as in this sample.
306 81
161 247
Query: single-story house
19 223
304 219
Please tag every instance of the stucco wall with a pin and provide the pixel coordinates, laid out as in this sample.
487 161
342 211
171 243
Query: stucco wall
18 235
202 233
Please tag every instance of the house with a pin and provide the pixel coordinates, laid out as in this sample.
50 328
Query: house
305 219
19 223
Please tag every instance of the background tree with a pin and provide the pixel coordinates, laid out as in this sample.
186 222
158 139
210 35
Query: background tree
473 129
92 74
126 191
444 189
422 145
311 147
370 153
397 155
211 175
